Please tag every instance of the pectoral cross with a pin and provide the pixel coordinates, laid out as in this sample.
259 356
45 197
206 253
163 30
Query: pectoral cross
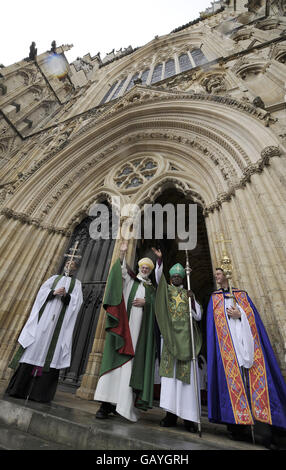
72 255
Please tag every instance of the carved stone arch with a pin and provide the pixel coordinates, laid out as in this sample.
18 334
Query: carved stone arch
25 75
167 182
8 144
213 82
242 35
37 91
86 208
28 74
253 68
68 88
183 49
143 64
3 146
207 154
83 208
280 54
177 190
267 24
90 155
281 7
46 141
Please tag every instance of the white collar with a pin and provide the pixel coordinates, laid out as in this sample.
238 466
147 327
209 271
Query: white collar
147 281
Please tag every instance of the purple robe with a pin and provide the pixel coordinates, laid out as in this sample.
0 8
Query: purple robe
223 385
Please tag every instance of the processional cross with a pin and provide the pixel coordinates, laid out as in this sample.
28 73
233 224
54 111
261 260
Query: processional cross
226 264
227 268
72 255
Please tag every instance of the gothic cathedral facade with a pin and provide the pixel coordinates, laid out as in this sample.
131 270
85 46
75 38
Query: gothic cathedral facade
197 115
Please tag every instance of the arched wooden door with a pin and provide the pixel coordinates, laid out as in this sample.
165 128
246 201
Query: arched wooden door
93 271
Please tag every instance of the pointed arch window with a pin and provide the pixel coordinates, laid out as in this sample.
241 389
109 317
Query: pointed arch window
107 95
144 76
131 83
184 62
170 68
119 88
187 60
198 57
157 73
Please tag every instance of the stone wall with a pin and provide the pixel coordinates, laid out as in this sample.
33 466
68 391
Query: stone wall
215 132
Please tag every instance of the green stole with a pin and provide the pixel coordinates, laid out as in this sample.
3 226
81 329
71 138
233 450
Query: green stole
118 348
172 312
15 361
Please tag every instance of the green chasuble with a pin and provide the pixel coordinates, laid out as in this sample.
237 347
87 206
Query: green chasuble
118 348
172 312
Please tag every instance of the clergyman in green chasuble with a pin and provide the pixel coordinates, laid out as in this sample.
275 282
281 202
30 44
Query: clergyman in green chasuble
127 369
176 367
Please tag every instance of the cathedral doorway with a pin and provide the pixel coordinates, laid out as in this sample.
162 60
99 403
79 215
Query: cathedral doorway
94 266
202 280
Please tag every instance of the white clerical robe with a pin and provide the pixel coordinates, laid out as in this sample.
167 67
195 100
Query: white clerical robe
113 387
176 396
36 336
241 336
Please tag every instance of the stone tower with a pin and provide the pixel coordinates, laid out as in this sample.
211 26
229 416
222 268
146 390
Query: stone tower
196 115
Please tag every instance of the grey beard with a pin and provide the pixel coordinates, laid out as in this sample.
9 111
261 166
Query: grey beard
144 276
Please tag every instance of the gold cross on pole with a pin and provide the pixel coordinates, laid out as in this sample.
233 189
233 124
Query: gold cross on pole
223 241
226 264
225 259
72 255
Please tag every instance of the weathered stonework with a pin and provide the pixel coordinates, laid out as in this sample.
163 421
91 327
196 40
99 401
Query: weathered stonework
215 132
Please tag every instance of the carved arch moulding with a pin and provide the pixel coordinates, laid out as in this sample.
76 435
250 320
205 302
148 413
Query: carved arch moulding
77 168
149 196
127 176
139 96
166 182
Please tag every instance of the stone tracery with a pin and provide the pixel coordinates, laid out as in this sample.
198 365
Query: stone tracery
197 132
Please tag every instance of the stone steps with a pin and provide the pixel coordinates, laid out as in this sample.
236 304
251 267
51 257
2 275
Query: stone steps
13 439
57 426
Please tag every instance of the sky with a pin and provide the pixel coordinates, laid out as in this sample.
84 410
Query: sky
92 26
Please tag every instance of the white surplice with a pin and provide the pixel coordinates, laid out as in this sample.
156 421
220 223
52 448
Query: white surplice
241 336
176 396
36 336
113 387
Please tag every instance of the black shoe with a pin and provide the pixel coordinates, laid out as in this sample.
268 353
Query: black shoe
169 421
238 432
104 410
234 436
190 426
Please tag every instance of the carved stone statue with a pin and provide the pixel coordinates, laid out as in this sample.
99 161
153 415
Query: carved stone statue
54 47
33 51
258 102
